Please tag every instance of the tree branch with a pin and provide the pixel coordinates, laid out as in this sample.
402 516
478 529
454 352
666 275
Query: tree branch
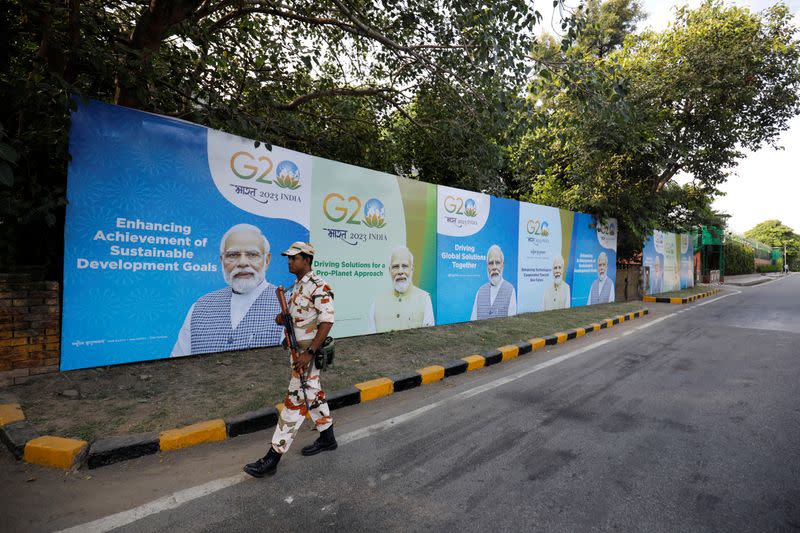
271 10
74 24
666 175
342 91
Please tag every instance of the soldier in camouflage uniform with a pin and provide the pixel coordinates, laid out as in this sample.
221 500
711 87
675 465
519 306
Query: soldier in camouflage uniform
311 307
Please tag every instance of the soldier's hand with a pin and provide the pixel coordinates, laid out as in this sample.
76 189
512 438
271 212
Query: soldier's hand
279 319
303 359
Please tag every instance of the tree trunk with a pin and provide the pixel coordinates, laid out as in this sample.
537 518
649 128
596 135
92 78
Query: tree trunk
665 176
151 29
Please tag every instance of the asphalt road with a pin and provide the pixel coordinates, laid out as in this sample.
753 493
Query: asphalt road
688 420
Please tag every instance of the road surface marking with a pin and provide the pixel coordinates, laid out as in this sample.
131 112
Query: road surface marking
171 501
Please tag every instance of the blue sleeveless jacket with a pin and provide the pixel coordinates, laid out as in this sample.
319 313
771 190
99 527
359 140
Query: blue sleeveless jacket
211 323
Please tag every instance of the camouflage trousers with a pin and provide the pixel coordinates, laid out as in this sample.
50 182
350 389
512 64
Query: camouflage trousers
294 408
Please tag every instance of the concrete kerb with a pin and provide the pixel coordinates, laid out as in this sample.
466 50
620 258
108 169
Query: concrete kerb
680 301
69 453
16 435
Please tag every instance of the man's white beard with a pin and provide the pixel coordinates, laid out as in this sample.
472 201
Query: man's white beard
602 278
557 280
244 285
401 285
495 279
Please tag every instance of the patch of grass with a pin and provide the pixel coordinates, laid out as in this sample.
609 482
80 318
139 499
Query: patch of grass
118 411
683 293
259 401
88 431
139 428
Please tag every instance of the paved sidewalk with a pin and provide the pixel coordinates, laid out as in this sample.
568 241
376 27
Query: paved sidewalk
748 280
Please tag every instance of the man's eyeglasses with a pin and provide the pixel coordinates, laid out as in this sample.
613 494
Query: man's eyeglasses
231 256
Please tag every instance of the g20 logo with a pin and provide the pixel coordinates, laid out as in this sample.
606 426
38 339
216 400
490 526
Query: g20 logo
246 166
338 208
609 229
537 227
457 206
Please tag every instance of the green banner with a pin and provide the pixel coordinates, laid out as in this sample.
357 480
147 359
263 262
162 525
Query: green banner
375 239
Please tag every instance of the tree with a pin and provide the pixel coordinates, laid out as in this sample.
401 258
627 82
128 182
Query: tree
341 79
775 233
607 131
606 24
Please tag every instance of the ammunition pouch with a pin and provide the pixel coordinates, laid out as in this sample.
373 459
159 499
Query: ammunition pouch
324 355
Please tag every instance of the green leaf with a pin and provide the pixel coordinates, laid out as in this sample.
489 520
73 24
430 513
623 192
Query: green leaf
6 175
7 153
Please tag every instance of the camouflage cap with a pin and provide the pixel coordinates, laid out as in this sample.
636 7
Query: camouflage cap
299 247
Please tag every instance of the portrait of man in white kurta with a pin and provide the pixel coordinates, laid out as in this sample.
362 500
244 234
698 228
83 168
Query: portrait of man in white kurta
403 305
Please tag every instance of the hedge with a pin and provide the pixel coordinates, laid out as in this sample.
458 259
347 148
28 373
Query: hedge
739 259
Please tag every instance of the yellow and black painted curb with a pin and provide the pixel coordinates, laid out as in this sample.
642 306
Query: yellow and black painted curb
686 300
69 453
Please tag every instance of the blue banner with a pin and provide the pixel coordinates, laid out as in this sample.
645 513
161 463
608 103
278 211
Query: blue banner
477 256
594 253
150 199
687 260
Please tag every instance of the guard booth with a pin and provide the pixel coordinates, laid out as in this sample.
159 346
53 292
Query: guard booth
710 255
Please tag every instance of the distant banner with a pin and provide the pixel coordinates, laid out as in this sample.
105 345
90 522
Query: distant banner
667 259
687 259
375 244
477 256
594 252
545 238
146 275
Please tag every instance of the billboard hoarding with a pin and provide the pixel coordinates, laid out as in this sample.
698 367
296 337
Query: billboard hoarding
545 239
594 253
477 256
669 259
150 198
375 247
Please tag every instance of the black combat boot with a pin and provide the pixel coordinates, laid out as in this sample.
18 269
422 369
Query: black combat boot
266 465
325 442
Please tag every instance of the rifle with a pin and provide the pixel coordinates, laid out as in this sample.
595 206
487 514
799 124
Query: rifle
291 339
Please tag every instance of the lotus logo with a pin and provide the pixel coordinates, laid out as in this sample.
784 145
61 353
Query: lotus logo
609 229
374 214
470 208
287 175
